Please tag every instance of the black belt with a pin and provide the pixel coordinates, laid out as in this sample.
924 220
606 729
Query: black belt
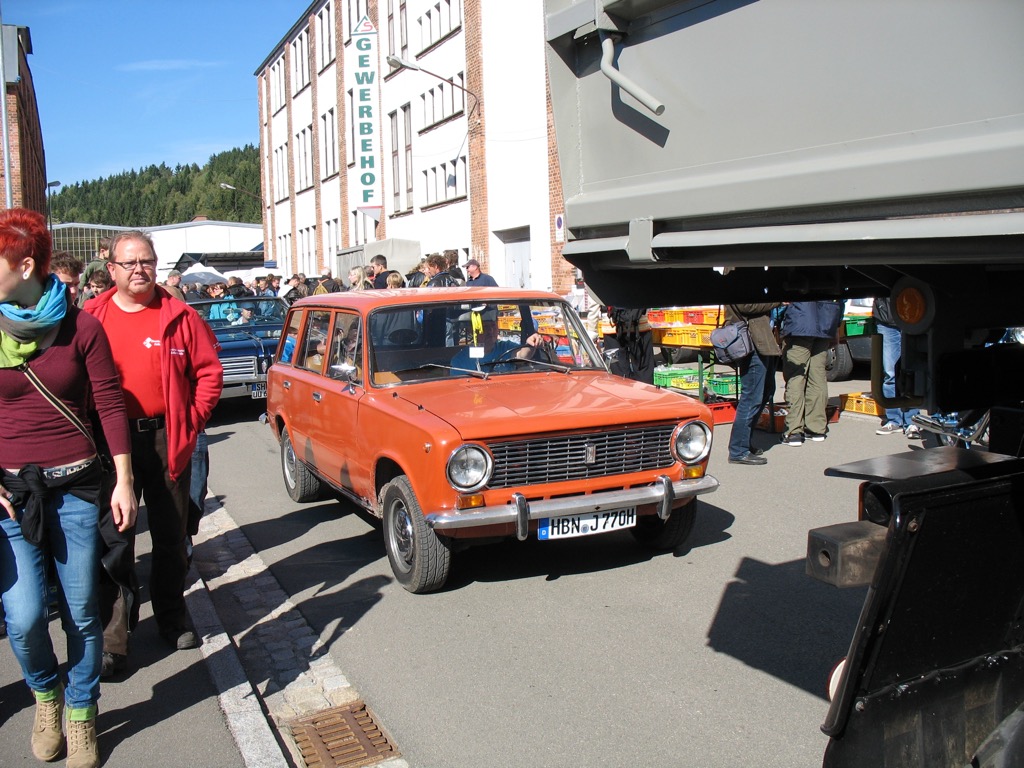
147 425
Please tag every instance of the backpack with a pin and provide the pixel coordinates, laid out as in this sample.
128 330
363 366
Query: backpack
320 290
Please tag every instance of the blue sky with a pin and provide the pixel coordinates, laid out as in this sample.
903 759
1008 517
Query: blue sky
124 85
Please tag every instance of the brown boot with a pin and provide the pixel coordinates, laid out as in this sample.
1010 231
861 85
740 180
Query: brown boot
82 749
47 735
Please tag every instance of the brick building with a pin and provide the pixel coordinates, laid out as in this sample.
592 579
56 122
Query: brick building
25 137
364 154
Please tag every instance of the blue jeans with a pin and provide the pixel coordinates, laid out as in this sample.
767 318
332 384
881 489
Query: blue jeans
748 408
72 526
892 348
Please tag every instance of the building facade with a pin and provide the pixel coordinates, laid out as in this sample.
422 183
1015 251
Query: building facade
407 127
24 145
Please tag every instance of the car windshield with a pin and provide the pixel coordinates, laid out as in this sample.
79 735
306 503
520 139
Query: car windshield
440 340
247 312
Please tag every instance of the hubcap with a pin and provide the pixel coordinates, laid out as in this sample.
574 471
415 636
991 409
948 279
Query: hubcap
401 535
289 462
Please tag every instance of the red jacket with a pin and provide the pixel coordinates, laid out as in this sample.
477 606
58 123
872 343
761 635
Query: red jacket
190 372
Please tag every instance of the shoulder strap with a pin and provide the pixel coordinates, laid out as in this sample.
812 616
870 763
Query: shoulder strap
57 403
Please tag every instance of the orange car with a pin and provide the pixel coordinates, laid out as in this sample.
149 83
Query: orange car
468 413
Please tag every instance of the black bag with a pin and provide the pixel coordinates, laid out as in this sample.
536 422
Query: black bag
732 343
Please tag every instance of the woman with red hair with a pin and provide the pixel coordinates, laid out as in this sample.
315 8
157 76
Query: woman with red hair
52 358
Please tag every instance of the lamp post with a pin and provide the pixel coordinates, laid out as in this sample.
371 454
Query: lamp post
400 63
233 188
49 219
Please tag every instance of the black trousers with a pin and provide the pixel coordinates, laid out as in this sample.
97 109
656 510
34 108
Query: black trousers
167 506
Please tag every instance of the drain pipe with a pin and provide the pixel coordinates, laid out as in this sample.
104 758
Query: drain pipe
634 90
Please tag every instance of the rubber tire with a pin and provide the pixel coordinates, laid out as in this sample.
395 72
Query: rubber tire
301 484
652 532
839 363
420 559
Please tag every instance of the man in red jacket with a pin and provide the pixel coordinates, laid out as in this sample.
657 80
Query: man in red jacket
166 356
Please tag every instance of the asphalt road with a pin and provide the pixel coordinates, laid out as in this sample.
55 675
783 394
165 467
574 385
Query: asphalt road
590 651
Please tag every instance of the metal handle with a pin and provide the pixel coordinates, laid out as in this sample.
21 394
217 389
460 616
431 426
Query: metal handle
317 396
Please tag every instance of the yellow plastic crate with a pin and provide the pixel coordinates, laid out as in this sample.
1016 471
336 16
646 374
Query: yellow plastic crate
674 316
686 336
858 402
508 323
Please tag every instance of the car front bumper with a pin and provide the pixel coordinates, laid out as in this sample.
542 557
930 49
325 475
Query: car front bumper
663 493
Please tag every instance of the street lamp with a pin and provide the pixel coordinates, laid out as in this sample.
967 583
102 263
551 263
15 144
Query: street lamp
49 220
253 195
400 63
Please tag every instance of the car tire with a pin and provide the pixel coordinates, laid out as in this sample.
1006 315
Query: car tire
652 532
301 484
420 559
839 363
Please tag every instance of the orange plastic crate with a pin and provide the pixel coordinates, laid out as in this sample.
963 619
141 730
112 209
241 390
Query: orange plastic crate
655 316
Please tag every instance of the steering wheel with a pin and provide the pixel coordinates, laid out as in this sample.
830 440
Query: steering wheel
508 354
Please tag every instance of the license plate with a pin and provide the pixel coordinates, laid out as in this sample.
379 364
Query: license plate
585 525
259 390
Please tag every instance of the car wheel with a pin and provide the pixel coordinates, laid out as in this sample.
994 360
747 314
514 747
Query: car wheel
839 363
665 535
302 485
419 558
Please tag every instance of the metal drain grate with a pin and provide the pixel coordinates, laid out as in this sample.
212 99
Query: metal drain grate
342 736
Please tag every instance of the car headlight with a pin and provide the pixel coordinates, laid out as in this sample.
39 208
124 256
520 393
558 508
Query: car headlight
469 468
691 442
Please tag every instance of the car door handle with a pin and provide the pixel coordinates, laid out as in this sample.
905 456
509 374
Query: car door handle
286 384
317 396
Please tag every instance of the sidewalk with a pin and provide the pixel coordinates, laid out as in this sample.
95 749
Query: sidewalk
226 704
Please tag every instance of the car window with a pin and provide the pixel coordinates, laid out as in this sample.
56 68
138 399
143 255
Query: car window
291 335
448 340
346 348
311 352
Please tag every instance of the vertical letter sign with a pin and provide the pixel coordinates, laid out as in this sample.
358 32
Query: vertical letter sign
365 97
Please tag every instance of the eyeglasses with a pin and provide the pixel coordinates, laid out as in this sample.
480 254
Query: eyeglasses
130 266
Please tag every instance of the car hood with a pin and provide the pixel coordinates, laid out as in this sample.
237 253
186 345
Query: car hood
551 402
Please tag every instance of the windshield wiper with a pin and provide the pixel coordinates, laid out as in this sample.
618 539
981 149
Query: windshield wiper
470 371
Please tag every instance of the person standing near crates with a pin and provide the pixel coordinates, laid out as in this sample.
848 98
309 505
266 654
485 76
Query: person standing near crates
753 373
896 420
809 329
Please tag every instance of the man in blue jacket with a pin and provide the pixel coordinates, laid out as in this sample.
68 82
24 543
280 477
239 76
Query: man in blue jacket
809 329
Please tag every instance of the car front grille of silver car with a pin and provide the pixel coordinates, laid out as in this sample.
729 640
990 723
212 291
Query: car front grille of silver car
558 458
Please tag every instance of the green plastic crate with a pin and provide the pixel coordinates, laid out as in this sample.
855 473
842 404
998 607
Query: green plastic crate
723 385
666 375
859 326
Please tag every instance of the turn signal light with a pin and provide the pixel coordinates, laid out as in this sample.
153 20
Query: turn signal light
692 471
469 501
910 305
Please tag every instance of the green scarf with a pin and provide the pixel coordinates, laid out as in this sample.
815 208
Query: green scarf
22 328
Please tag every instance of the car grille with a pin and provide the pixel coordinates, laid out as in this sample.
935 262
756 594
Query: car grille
559 458
236 368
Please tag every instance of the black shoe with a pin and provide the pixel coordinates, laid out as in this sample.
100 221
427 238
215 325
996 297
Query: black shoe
113 663
182 638
755 451
817 437
794 439
750 459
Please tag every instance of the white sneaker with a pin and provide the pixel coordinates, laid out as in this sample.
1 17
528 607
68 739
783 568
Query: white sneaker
913 432
889 428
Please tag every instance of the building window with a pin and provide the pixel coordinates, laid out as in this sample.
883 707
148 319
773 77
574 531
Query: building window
403 27
391 27
396 177
281 172
407 120
300 61
439 21
325 36
277 89
328 144
447 181
443 101
304 158
356 11
350 117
